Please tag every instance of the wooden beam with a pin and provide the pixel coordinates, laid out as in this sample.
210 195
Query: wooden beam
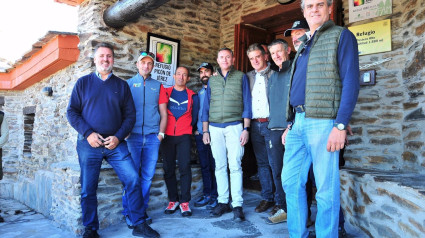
270 12
58 53
73 3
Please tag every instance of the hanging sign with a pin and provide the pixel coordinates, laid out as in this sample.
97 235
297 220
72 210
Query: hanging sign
365 9
373 37
166 51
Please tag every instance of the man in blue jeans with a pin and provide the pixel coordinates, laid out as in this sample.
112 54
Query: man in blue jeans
206 158
148 131
101 110
324 87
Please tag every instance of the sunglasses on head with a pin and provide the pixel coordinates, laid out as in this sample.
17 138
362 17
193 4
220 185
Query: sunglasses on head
147 53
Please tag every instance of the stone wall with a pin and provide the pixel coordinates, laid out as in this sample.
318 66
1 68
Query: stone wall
384 204
388 120
195 23
386 199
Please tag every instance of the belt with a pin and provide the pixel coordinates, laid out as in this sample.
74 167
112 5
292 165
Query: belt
299 108
261 119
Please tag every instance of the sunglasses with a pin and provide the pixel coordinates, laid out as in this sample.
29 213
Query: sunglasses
147 53
204 65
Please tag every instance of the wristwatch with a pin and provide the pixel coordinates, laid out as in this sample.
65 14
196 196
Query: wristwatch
161 134
339 126
248 129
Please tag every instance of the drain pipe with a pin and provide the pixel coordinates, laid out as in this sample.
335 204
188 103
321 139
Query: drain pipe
126 11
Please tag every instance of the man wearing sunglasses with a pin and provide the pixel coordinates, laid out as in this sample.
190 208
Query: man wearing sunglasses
148 131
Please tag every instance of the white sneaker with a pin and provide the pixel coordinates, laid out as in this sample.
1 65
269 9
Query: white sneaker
279 217
172 207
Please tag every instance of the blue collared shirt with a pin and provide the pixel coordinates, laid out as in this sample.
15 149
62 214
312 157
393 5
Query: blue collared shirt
100 76
201 94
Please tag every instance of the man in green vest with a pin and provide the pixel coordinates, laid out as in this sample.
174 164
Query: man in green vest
324 87
226 119
4 136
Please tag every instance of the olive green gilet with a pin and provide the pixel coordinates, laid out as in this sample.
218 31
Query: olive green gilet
226 103
323 84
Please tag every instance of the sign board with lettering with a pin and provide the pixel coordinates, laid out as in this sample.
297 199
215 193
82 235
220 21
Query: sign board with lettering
373 37
366 9
166 51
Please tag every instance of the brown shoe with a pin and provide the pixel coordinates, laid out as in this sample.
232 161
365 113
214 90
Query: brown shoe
263 206
275 209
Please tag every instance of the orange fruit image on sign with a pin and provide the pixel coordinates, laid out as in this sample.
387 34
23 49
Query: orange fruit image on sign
164 53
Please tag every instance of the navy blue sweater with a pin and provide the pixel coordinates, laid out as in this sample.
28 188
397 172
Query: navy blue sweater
105 107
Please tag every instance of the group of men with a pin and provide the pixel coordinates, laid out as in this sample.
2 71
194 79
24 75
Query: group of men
305 105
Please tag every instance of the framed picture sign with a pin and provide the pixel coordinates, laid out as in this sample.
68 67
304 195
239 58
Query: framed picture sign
167 52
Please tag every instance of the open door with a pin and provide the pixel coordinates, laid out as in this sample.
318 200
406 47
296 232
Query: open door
245 36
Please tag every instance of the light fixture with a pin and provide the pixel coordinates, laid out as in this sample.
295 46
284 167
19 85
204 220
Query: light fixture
47 91
283 2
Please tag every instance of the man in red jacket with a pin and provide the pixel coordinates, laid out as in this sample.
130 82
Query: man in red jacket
182 108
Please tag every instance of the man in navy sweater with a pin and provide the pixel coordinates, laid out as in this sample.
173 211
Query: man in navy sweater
102 111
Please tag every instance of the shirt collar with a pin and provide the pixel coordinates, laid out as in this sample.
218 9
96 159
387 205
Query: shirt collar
264 71
99 76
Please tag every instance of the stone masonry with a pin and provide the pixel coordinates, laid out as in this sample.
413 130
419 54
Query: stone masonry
387 123
382 190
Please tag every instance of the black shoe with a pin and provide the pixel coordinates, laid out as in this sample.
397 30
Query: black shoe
89 233
238 214
202 201
144 230
212 204
341 232
220 209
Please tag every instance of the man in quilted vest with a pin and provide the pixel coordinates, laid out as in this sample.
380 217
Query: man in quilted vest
226 120
324 90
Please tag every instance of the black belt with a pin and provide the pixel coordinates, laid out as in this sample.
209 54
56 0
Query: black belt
299 108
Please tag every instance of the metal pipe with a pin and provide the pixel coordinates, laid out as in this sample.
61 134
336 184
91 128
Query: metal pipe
125 11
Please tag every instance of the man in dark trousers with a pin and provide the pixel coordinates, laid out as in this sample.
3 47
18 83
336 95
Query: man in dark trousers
183 106
102 111
206 159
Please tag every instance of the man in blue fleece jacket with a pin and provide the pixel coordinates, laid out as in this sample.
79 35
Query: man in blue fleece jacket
102 111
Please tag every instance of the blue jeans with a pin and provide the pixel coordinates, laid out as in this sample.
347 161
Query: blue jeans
90 160
144 152
207 162
306 144
260 138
